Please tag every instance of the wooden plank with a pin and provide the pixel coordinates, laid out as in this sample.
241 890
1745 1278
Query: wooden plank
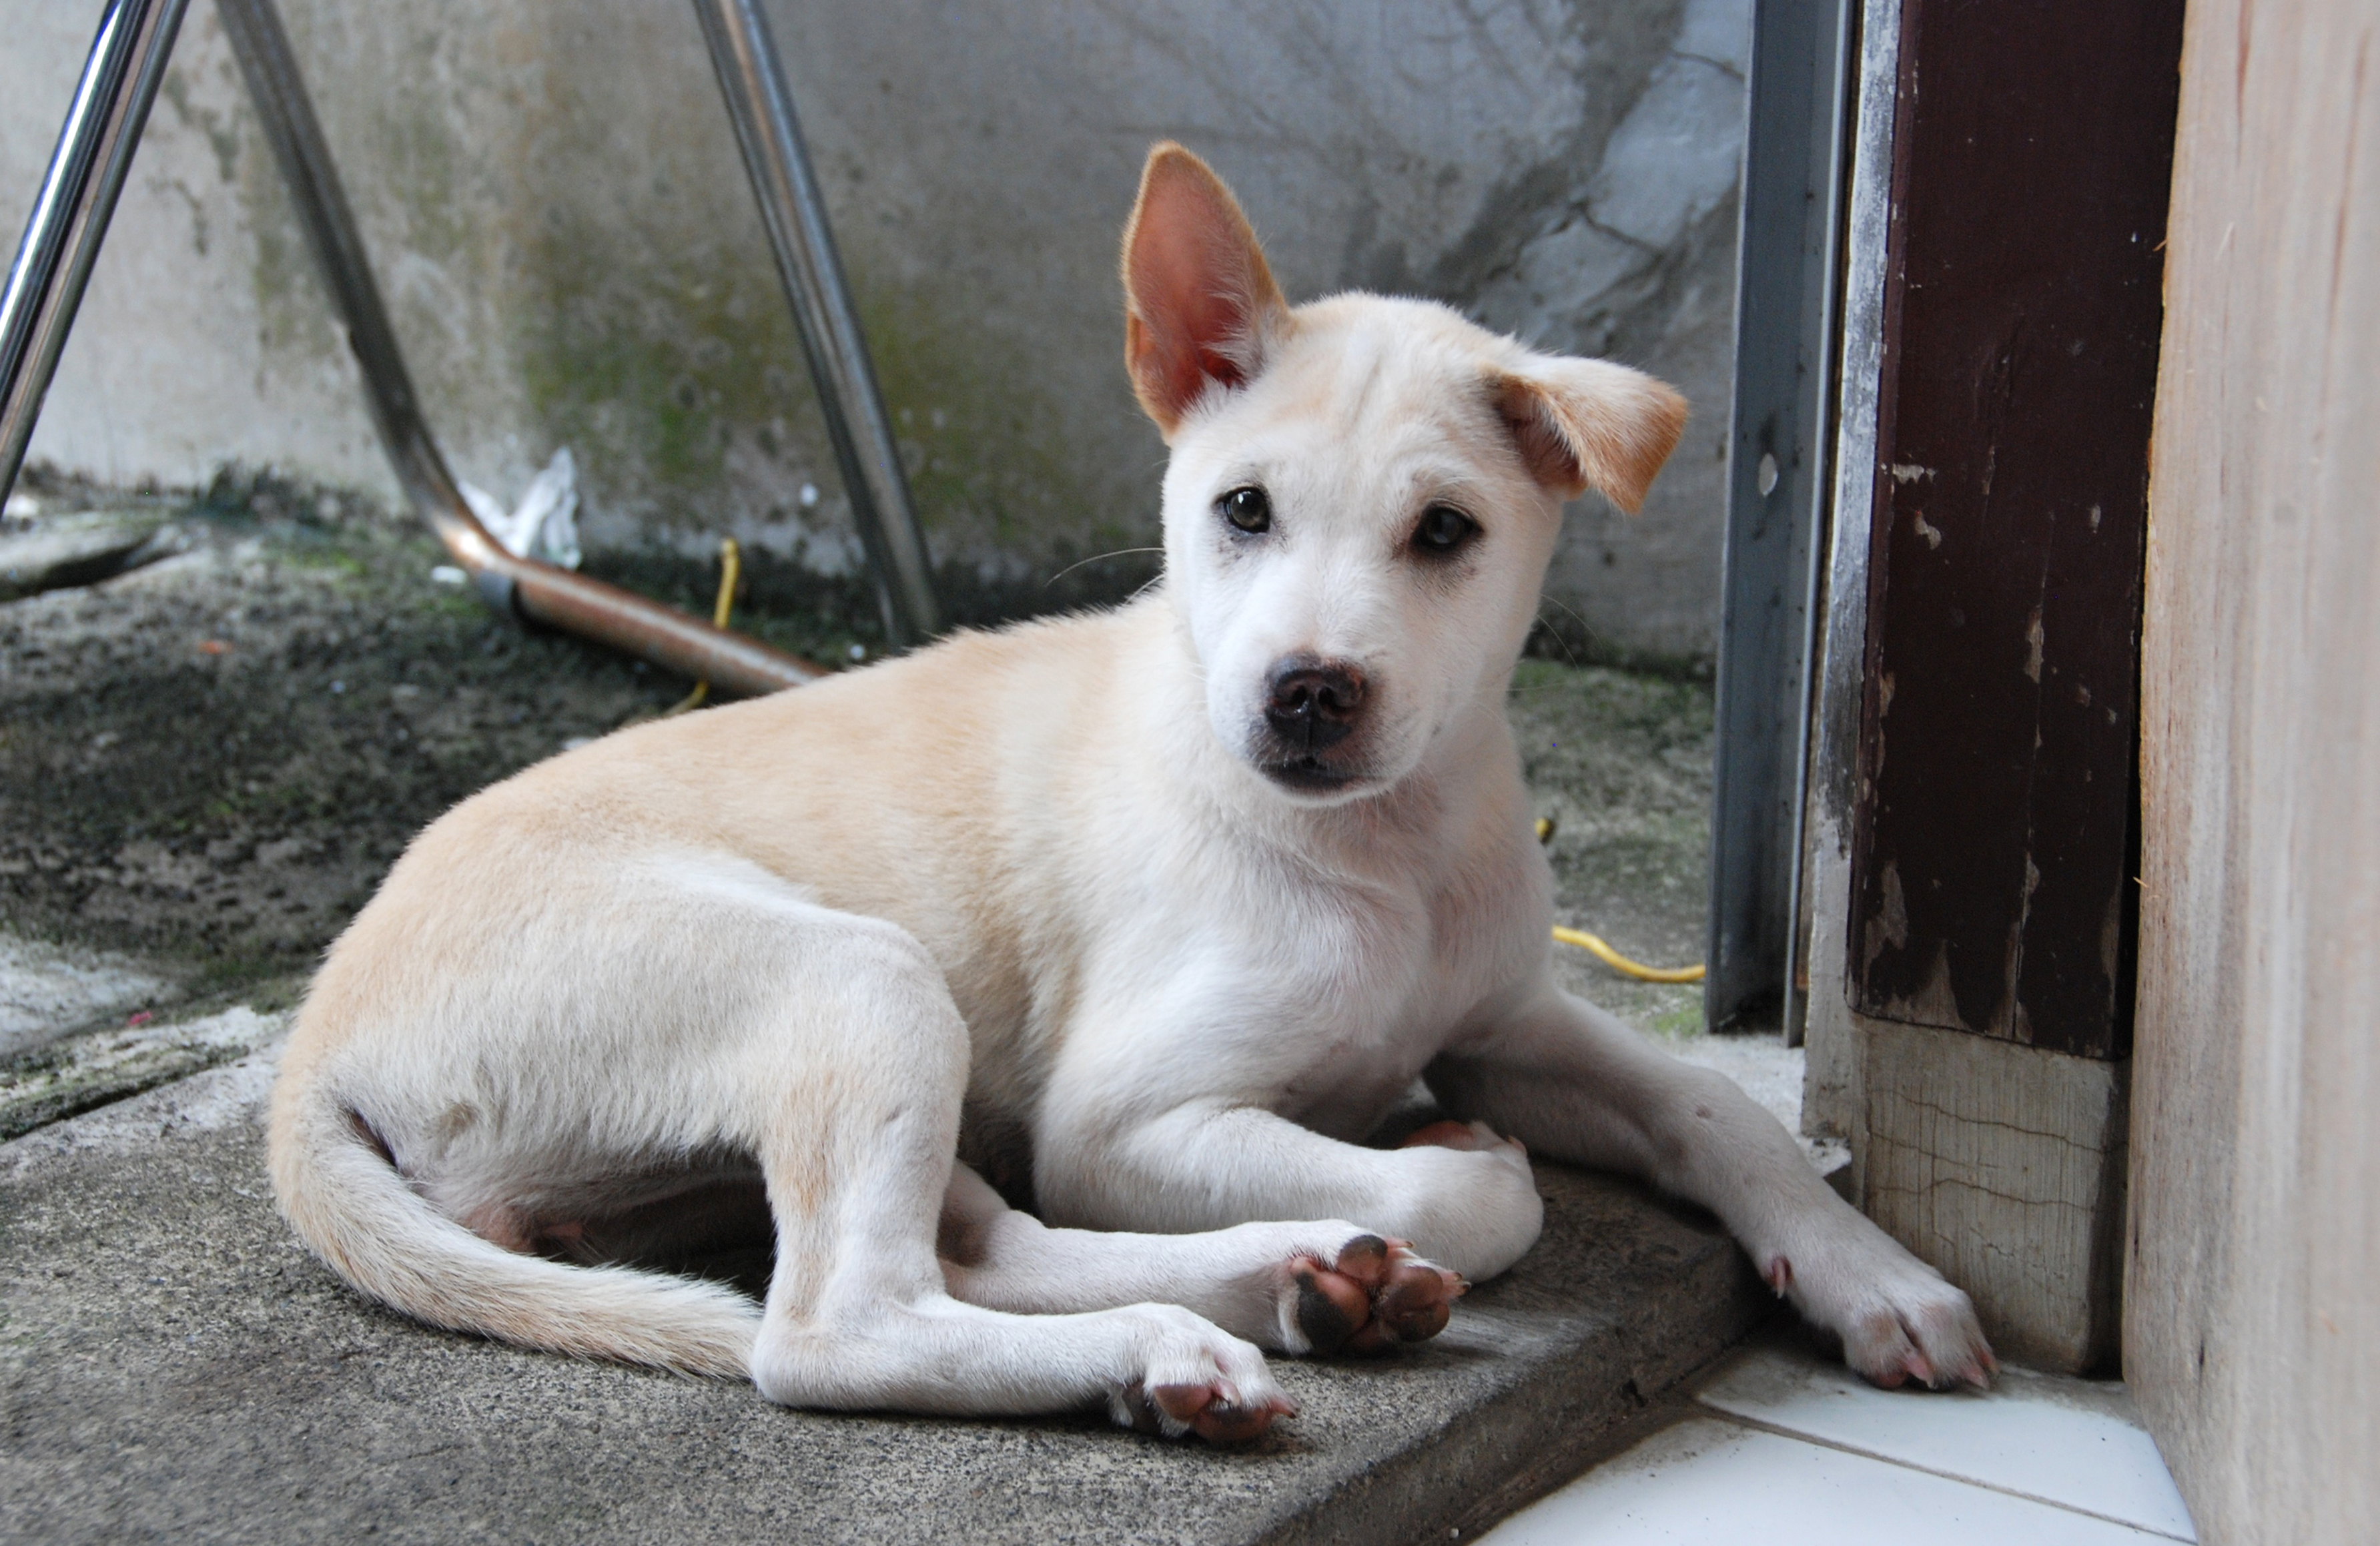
1824 1014
2252 1318
2004 1167
2022 318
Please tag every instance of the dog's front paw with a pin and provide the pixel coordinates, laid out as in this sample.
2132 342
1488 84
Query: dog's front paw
1370 1295
1473 1200
1198 1379
1899 1319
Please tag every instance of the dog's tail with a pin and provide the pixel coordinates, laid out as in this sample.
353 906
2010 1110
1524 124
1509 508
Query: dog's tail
342 1195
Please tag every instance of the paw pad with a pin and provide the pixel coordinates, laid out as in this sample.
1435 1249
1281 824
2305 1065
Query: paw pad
1374 1295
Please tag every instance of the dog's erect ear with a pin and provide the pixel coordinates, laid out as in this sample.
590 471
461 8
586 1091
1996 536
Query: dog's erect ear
1199 304
1590 424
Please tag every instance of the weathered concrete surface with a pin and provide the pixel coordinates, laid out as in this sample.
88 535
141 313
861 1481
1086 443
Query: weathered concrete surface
78 548
556 210
211 761
96 1066
172 1365
46 989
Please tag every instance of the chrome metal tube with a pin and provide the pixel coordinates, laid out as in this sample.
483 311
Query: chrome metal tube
71 213
752 79
520 587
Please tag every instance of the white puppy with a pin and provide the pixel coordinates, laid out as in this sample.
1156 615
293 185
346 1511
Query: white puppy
1149 916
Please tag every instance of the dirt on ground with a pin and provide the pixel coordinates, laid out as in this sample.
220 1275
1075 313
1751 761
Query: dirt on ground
208 763
212 760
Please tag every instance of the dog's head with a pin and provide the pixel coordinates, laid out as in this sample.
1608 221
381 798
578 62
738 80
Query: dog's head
1363 492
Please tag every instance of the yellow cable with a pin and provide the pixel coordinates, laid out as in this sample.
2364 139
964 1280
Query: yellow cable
1622 963
731 563
1603 952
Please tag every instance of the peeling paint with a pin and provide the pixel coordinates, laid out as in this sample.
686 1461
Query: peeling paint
1890 925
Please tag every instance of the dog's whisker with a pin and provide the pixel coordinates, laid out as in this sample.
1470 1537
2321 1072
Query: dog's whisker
1570 656
1094 559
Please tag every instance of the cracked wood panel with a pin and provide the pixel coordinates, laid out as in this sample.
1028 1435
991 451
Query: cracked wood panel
1992 825
2252 1329
2003 1166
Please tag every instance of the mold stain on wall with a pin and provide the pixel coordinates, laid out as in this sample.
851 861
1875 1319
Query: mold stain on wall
556 211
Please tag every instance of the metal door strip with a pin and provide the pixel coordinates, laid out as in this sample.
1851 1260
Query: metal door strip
70 221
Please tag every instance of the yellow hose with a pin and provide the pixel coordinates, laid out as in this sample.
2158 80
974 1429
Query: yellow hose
1622 963
1603 952
731 565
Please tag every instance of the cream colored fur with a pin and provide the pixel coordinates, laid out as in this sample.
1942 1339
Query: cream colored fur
1034 896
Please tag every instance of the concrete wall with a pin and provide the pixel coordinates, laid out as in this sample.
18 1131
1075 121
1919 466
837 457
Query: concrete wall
555 204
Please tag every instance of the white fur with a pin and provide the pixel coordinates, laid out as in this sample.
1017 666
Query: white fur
1032 897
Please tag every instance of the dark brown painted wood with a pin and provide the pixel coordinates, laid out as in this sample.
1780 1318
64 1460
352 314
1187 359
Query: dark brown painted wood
2033 153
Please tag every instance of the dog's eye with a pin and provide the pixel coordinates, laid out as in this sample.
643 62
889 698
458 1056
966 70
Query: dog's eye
1442 530
1248 509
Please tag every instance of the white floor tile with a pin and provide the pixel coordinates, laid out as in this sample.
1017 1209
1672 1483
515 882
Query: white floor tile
1709 1482
2071 1442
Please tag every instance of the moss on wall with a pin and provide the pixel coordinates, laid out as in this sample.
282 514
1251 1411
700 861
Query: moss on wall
556 211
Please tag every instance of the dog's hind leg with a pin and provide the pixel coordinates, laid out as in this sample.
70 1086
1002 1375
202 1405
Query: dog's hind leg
850 1103
1316 1287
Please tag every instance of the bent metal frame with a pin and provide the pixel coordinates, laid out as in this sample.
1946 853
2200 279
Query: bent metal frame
77 196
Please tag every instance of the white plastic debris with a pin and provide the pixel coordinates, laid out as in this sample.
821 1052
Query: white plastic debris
447 574
545 524
21 506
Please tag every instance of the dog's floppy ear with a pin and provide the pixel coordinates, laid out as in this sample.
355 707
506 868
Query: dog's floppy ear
1199 303
1590 424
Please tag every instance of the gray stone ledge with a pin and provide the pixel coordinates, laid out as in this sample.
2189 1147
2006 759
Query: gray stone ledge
174 1366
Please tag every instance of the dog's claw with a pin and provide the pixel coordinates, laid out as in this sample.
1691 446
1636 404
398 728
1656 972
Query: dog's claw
1223 1423
1173 1410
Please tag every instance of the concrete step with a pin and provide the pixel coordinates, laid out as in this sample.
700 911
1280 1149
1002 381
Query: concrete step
173 1365
81 547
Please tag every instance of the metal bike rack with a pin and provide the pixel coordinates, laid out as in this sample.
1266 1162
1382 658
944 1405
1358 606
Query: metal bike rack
71 213
87 170
762 106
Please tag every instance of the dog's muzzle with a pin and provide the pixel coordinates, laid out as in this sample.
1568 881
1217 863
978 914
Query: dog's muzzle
1312 707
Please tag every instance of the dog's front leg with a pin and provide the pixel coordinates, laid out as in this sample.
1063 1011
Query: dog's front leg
1575 1084
1214 1163
1315 1287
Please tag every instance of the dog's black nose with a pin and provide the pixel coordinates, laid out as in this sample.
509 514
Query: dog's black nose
1314 702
